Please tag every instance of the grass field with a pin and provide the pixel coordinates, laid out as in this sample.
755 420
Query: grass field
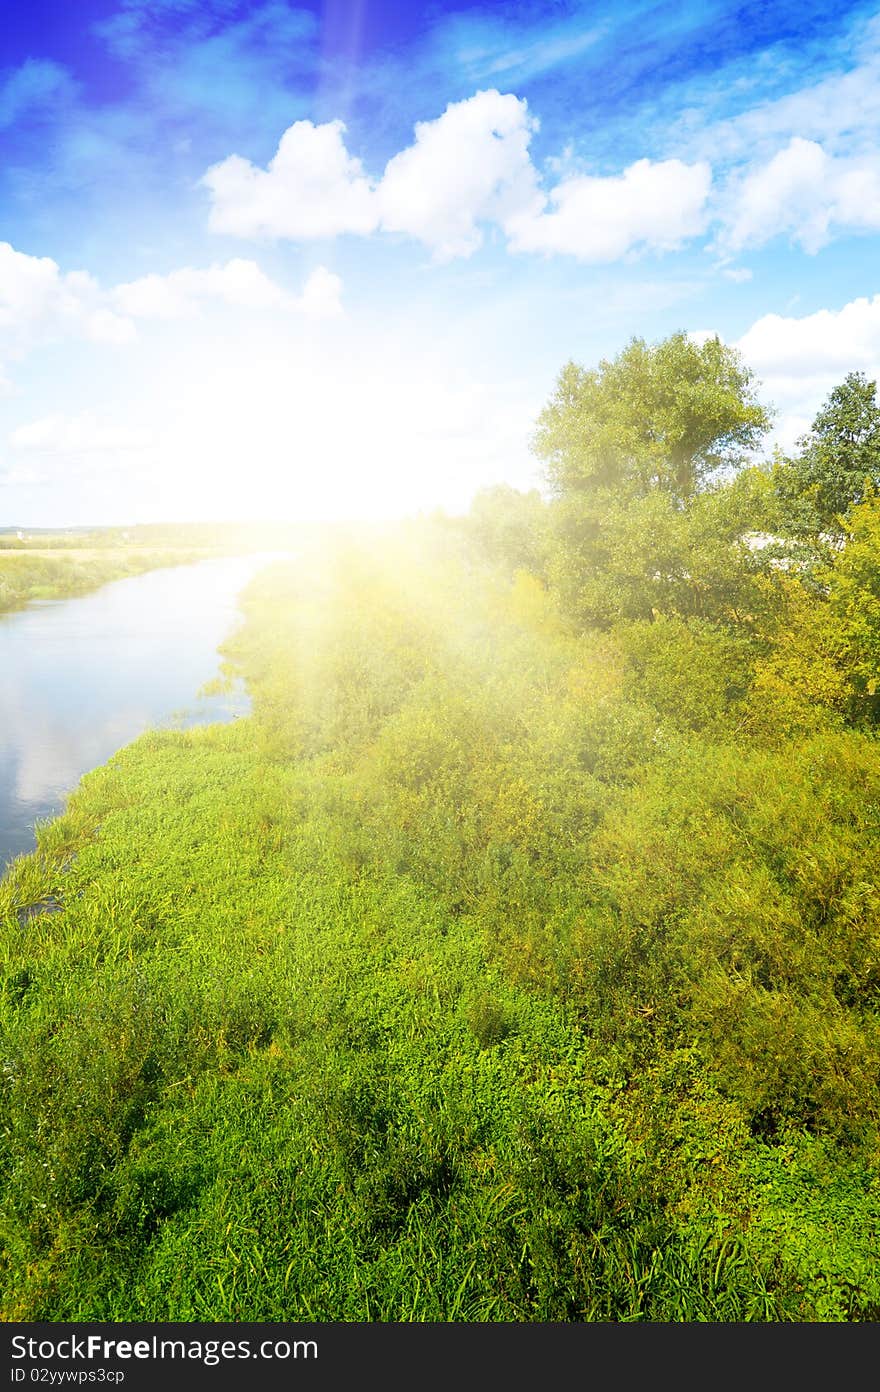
452 984
47 573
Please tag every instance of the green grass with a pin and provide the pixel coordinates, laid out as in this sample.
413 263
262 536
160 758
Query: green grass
25 577
448 986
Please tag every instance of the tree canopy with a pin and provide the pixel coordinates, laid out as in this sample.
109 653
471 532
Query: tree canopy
662 416
838 464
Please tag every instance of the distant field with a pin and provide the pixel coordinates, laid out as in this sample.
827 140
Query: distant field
88 553
53 573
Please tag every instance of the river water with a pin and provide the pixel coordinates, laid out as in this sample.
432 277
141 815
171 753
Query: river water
81 677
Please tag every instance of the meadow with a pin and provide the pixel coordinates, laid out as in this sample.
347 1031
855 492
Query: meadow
59 572
58 565
516 959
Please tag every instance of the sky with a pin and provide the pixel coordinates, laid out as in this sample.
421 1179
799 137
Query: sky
326 260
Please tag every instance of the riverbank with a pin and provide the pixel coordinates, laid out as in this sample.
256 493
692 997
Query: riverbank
50 573
85 675
443 988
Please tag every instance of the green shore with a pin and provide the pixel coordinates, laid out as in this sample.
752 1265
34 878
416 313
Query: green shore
466 979
517 957
57 574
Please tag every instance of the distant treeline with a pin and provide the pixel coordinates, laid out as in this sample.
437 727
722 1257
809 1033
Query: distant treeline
55 565
64 573
222 536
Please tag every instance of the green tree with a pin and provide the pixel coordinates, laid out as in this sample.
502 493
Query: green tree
821 665
621 557
854 599
838 465
658 416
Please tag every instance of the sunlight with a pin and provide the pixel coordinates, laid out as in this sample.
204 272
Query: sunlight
439 677
333 428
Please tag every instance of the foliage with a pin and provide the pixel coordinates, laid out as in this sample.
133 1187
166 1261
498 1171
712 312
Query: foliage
25 577
613 556
838 464
516 959
854 603
667 415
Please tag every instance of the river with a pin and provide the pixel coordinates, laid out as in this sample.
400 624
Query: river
81 677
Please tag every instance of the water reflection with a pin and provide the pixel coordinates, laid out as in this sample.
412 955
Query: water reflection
79 678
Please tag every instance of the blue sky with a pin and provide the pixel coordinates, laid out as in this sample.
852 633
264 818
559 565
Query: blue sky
324 260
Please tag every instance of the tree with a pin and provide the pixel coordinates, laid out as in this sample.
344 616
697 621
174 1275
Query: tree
854 599
838 465
662 416
614 557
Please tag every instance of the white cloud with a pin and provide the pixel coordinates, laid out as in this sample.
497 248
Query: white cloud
104 326
804 192
828 341
153 297
800 360
39 303
470 165
311 188
841 111
540 54
238 282
322 295
803 165
467 169
657 205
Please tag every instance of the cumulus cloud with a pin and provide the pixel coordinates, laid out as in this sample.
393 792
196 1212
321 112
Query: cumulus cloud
467 169
470 165
805 192
41 304
172 296
239 283
652 204
322 295
798 360
470 169
828 341
38 302
312 188
801 359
